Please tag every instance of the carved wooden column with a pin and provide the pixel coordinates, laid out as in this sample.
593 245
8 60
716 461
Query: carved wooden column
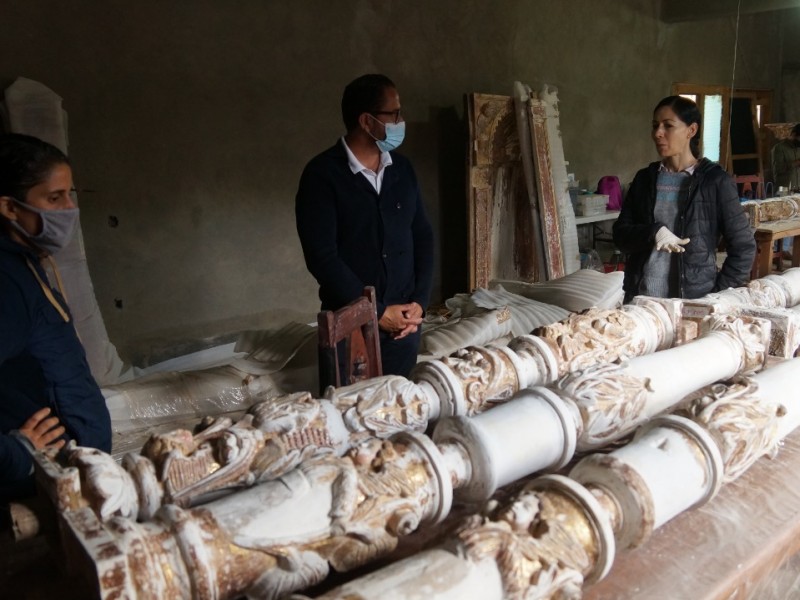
275 537
583 410
772 291
275 436
680 461
541 428
558 533
544 542
185 469
475 378
280 536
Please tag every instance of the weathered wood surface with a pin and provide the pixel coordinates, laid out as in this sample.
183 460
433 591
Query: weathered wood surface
501 231
548 203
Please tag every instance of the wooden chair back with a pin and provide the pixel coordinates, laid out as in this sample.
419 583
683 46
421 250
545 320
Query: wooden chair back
353 330
750 184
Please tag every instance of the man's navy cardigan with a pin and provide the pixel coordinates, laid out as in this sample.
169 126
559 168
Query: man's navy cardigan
353 237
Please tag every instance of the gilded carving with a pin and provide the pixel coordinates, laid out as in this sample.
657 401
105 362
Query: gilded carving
540 540
275 436
611 402
276 537
218 457
486 374
744 424
500 233
384 491
592 337
548 202
382 407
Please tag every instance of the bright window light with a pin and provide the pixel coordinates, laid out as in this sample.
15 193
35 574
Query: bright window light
712 126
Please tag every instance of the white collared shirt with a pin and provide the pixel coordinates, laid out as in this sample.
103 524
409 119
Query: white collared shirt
689 170
375 179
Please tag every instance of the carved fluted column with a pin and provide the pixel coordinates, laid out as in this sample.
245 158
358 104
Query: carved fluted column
541 428
346 511
558 533
475 378
185 469
275 537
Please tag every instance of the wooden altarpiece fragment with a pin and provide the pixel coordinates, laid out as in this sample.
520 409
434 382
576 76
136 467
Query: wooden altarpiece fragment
501 231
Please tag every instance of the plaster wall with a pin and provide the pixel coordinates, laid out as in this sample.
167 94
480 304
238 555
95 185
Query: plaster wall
192 121
790 80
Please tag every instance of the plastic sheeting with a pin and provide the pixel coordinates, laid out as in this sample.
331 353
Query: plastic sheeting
493 326
526 314
575 292
484 317
529 304
215 382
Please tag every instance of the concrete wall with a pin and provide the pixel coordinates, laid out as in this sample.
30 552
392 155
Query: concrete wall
193 119
790 81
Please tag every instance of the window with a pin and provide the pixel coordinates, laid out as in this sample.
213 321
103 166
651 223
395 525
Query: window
732 131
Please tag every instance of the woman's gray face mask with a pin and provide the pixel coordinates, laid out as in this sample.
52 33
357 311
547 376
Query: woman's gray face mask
57 227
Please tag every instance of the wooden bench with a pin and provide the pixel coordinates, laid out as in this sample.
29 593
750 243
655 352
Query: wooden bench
766 235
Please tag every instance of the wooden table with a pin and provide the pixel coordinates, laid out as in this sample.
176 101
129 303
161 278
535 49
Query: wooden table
766 235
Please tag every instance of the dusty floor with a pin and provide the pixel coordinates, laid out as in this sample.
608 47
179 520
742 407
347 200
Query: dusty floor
29 571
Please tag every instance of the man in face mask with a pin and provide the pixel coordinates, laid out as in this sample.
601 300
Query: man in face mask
361 220
786 161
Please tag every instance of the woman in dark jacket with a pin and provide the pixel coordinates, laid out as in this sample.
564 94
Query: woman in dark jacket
675 213
44 377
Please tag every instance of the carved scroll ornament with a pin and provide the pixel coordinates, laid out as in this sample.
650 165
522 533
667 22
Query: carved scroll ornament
592 337
272 538
275 436
611 402
744 424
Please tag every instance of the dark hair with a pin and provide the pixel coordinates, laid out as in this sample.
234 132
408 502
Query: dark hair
796 129
363 95
25 161
688 112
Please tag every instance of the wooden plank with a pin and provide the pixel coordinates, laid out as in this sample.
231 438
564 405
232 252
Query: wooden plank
567 228
548 209
530 220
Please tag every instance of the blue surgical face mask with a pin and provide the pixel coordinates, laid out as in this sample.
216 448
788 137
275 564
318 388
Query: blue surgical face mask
57 227
395 133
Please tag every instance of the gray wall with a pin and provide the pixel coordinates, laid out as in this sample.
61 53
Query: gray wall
789 101
193 119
